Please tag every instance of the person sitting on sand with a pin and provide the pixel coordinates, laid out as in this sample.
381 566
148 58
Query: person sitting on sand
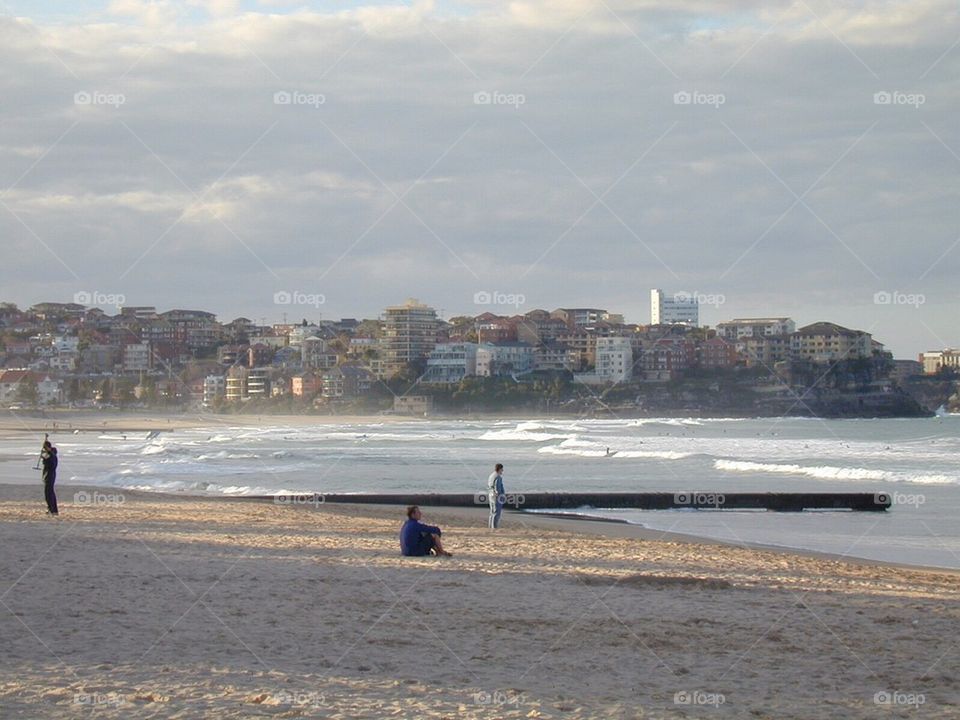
417 539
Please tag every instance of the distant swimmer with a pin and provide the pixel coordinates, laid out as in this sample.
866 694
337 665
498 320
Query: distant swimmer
608 453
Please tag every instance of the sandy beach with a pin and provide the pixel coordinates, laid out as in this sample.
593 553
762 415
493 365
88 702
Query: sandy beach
143 605
66 421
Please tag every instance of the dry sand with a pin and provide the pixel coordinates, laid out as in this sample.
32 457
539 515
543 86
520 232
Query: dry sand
226 608
66 421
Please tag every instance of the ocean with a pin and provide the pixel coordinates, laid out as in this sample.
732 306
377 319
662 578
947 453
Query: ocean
916 461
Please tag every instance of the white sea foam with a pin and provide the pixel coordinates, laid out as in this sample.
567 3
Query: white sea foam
524 435
832 472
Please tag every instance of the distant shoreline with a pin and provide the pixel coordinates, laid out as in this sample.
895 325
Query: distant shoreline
93 421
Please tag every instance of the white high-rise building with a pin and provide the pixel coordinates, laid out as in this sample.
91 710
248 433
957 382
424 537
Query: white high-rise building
676 309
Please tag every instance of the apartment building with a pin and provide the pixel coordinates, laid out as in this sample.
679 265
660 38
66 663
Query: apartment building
451 362
738 328
826 342
500 359
409 334
677 309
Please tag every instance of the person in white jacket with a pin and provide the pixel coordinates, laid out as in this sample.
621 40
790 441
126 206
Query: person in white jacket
495 495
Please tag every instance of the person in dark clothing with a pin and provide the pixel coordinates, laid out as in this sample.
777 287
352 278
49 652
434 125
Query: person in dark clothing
417 539
49 458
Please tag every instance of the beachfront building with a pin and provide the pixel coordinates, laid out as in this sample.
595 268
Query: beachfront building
409 334
614 359
738 328
677 309
614 362
346 382
235 384
258 383
504 359
412 404
826 342
214 387
451 362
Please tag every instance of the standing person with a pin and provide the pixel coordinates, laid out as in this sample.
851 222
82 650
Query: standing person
49 458
495 495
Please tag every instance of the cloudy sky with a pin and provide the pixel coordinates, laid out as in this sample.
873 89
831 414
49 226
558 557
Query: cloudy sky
785 158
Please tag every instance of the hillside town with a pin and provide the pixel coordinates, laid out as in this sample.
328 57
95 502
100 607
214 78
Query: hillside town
409 360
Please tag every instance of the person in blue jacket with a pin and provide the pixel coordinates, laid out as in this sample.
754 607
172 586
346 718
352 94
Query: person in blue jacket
417 539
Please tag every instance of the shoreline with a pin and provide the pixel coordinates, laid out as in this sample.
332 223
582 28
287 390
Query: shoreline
86 420
578 523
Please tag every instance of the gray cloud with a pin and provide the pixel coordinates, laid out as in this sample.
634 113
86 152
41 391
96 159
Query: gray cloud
200 190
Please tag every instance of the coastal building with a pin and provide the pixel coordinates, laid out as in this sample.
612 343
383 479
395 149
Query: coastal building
504 359
665 358
140 313
413 404
936 361
299 333
614 362
99 358
494 328
260 354
136 357
738 328
576 318
677 309
409 334
451 362
346 382
306 384
764 350
826 342
197 329
555 356
584 346
539 327
235 384
11 382
214 388
258 383
18 385
316 352
904 369
716 352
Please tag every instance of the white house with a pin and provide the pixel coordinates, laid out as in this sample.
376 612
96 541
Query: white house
451 362
614 362
505 358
